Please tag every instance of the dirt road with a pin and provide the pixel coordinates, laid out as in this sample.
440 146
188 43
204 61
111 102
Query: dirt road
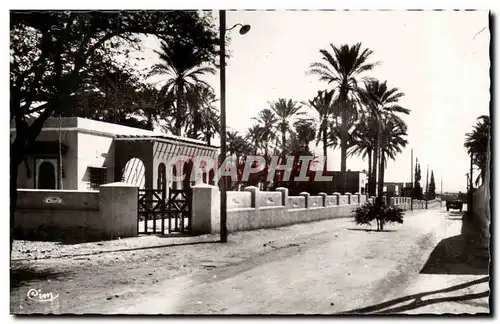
317 268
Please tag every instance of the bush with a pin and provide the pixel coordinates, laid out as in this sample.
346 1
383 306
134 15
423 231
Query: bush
379 212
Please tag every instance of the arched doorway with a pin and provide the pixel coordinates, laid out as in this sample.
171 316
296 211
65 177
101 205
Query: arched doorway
46 175
161 181
186 171
134 173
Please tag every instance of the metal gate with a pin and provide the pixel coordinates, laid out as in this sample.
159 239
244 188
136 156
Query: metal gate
154 208
179 210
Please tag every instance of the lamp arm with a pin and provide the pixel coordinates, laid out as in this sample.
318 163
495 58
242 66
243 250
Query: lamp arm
234 27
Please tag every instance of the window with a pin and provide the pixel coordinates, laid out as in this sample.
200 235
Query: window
97 177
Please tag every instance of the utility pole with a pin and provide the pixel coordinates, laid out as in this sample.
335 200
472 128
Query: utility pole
411 173
470 202
223 192
427 187
441 191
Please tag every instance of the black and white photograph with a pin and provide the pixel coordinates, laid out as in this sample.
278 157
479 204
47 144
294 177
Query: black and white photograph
250 162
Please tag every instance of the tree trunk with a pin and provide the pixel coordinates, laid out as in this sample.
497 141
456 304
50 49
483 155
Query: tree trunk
16 158
381 174
373 180
178 117
369 169
283 139
325 147
343 165
376 157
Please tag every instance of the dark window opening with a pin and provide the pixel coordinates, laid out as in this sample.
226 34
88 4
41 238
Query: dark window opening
97 177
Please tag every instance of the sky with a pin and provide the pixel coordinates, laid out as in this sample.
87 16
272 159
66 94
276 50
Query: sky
439 59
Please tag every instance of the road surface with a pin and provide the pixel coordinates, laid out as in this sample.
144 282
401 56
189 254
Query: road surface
334 272
326 267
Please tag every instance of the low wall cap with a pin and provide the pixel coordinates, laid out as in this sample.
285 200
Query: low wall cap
119 184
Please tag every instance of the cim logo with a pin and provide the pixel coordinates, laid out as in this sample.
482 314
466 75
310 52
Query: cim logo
37 295
53 200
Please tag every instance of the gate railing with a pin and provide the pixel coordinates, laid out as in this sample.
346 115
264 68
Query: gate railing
153 208
179 210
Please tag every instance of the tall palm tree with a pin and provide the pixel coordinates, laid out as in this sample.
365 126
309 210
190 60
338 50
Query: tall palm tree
184 65
380 101
323 103
476 143
342 67
285 111
392 140
267 121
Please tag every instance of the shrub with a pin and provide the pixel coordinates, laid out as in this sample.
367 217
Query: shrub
379 212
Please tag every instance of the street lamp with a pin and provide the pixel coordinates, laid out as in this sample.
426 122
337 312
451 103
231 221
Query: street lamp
223 194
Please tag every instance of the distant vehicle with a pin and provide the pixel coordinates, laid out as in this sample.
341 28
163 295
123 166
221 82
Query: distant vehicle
454 204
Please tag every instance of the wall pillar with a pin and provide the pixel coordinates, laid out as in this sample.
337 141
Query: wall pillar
307 197
323 196
118 210
205 208
337 195
254 196
284 196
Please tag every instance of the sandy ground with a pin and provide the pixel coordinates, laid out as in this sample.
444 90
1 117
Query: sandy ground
322 267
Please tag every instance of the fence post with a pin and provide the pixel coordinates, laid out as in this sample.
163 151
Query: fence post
254 196
284 196
307 198
323 195
337 194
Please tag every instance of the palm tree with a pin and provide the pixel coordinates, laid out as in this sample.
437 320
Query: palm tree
204 118
380 101
267 121
285 110
305 132
184 64
364 138
342 68
323 103
254 137
392 141
476 143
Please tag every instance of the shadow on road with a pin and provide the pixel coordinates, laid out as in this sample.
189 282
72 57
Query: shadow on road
393 306
23 275
452 256
370 230
124 250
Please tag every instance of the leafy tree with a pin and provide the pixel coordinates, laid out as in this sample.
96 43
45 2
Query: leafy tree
476 144
52 52
417 192
342 67
114 93
432 188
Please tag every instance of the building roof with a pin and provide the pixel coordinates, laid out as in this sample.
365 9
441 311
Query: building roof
164 137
